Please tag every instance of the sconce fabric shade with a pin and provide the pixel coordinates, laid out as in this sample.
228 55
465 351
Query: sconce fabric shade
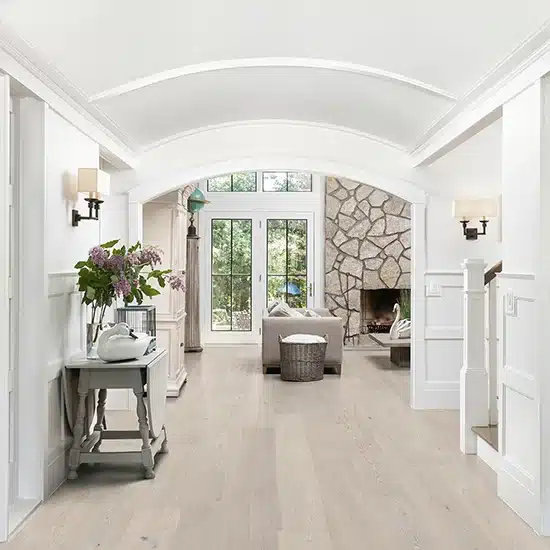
93 181
475 209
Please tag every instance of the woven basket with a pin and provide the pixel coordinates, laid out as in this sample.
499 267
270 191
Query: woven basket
302 362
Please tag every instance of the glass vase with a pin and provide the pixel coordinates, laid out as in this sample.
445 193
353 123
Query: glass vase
94 328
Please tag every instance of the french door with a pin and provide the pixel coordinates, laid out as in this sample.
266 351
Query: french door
252 259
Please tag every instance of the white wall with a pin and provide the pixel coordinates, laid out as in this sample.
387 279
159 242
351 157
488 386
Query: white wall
66 150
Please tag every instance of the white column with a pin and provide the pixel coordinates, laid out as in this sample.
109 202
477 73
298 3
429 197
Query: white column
474 382
135 221
4 301
524 417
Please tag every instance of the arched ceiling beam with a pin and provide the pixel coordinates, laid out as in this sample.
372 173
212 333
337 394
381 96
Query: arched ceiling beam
263 62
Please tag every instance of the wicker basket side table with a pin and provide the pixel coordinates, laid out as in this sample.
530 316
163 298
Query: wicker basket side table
302 362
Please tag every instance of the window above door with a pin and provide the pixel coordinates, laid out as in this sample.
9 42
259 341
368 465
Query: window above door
271 182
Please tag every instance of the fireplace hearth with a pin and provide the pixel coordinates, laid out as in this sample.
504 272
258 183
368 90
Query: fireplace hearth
377 309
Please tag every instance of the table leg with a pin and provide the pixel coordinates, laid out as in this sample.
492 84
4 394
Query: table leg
164 446
146 453
101 400
74 455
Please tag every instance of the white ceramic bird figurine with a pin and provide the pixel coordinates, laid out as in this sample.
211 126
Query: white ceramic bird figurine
120 343
401 328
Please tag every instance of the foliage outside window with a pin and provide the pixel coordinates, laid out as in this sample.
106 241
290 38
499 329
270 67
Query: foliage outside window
231 275
287 261
286 181
239 182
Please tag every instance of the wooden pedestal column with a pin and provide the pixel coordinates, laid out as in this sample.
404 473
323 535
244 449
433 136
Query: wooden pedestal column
192 319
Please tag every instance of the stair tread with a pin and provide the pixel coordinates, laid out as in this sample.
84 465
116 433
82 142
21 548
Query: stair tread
489 434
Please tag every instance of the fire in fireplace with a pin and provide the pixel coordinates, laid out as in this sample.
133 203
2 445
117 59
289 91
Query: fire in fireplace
377 309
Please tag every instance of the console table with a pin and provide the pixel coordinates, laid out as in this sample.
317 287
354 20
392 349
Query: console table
400 349
149 371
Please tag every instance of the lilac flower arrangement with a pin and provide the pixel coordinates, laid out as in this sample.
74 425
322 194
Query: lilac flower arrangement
110 273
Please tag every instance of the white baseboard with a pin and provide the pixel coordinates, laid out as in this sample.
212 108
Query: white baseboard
490 456
174 386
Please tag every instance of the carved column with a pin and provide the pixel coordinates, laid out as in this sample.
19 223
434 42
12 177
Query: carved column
474 381
192 301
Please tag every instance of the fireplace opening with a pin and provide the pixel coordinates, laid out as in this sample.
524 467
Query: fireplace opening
377 309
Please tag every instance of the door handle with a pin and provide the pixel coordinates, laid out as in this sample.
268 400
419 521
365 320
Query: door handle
310 290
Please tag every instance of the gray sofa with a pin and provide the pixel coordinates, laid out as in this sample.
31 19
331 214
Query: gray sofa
285 326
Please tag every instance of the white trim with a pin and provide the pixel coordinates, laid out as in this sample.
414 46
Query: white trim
151 189
274 122
266 62
488 454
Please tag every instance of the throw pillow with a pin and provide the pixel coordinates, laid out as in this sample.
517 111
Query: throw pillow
311 313
281 310
304 339
272 305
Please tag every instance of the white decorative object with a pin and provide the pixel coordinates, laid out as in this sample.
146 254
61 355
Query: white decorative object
120 343
304 339
401 328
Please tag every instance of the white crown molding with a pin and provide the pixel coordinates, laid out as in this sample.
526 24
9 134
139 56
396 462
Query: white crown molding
21 61
273 122
266 62
527 62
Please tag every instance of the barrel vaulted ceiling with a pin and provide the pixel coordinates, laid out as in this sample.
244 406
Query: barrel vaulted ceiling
393 70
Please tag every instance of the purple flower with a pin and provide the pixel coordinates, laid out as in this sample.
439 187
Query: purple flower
123 288
133 258
151 255
176 282
115 263
98 256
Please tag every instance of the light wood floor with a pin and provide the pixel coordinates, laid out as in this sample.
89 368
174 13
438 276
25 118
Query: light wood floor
260 464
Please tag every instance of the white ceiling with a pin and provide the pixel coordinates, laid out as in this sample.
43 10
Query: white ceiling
389 67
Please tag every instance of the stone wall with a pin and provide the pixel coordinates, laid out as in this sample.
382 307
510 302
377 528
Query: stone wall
367 246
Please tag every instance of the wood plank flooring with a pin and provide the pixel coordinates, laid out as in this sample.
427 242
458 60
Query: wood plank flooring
260 464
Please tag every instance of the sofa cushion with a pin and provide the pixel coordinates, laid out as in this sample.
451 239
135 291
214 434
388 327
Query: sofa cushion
311 313
282 309
272 305
303 339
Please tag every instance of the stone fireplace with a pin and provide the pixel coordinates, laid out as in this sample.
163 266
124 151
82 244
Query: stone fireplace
367 248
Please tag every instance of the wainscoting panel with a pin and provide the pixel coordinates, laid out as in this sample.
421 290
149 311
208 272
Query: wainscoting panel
65 339
443 337
518 414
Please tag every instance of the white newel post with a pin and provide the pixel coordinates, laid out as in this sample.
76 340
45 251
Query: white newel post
474 395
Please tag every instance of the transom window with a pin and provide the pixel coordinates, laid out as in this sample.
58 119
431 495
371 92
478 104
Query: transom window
240 182
272 181
286 181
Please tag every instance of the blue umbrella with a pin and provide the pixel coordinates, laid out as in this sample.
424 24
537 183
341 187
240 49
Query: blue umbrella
291 289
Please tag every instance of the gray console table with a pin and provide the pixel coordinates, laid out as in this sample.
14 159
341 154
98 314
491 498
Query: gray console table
400 350
149 371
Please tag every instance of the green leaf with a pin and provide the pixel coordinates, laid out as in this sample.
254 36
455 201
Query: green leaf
80 265
109 244
137 246
161 281
149 290
90 293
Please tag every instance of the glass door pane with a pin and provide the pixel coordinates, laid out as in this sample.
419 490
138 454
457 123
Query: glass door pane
231 260
287 261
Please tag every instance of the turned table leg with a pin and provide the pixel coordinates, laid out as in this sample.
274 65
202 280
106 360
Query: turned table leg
78 431
101 400
146 452
164 446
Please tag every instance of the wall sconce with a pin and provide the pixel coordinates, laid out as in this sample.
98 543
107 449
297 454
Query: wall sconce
481 209
96 183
